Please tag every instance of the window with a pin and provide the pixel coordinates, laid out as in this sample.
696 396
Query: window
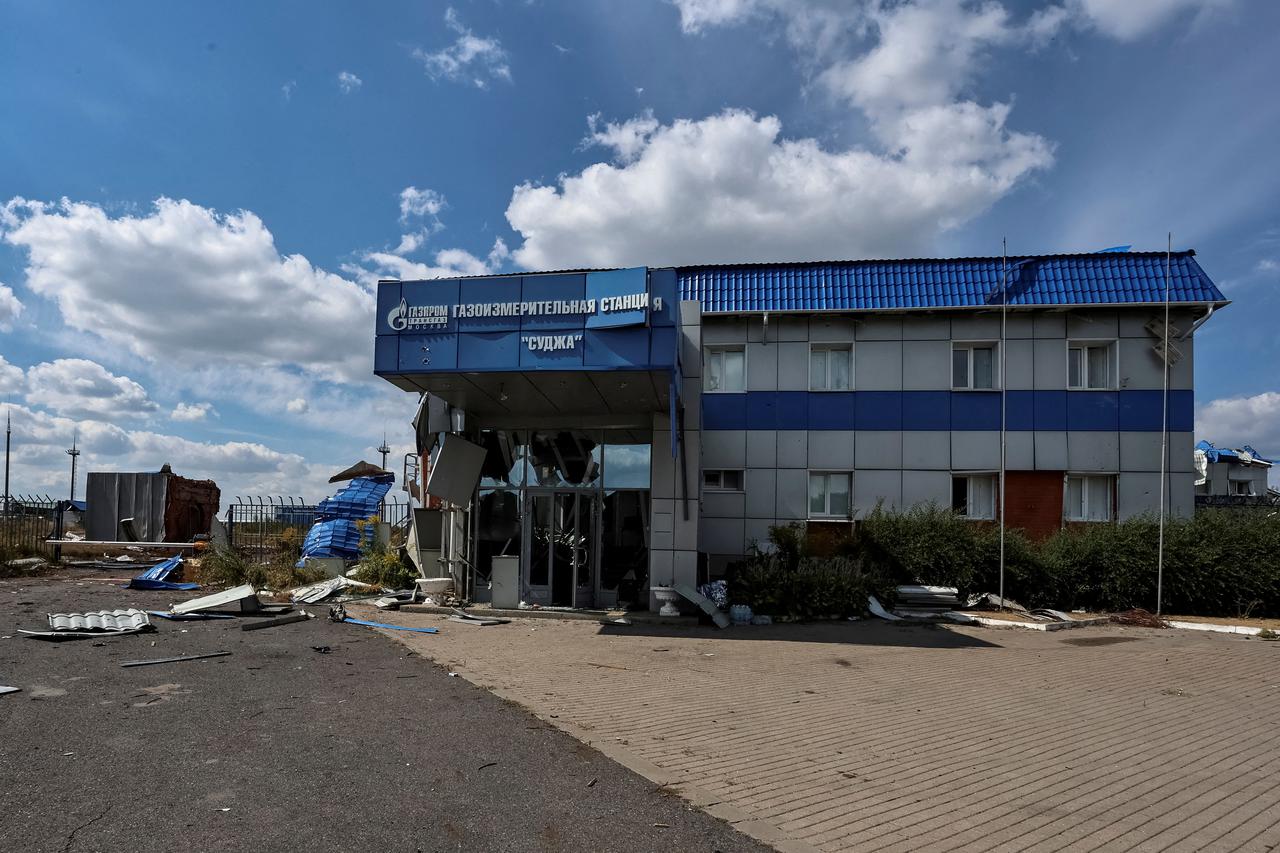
1088 498
1244 488
1089 365
830 367
973 366
829 494
724 370
974 496
717 480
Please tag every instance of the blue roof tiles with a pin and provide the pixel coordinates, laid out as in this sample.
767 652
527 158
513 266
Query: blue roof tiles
1101 278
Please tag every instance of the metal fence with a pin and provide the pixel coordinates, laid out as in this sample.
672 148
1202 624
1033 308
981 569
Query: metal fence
265 528
26 521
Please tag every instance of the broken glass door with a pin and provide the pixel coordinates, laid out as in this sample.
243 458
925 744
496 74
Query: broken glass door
561 536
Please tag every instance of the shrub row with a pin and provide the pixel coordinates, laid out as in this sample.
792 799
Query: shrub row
1218 563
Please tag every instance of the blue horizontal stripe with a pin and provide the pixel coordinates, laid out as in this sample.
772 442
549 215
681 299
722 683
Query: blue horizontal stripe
1093 411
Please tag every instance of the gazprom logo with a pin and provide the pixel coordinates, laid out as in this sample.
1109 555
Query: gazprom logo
398 319
404 316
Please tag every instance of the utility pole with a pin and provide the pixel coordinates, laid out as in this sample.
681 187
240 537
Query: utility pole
73 453
8 431
384 450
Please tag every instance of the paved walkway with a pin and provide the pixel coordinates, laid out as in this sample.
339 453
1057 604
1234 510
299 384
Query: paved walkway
883 738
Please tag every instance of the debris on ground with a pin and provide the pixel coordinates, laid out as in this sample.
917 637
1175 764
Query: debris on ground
992 601
98 623
717 591
178 659
620 621
157 577
5 689
920 600
1139 618
704 604
245 597
188 617
460 615
354 621
877 609
319 591
288 619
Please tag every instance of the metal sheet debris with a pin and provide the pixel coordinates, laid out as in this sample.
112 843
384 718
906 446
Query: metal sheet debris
477 621
245 595
877 609
300 616
6 689
460 615
57 636
157 576
188 617
705 604
100 620
174 660
355 621
312 593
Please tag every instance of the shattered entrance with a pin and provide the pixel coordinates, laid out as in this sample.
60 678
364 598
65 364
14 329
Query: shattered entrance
573 505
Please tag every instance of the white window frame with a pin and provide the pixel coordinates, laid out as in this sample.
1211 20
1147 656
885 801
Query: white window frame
996 378
1248 488
719 485
1113 363
969 476
827 515
708 352
1084 492
829 347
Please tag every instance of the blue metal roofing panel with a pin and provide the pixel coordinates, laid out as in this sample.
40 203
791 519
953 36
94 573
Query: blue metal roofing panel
1101 278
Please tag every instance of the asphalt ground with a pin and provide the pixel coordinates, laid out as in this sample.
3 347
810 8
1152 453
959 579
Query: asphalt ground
278 746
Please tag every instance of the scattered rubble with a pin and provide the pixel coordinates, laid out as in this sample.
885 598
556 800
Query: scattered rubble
1139 618
177 659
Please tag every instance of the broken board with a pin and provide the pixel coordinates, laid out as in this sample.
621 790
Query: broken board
705 604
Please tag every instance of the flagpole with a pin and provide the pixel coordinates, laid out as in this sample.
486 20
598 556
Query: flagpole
1004 312
1164 431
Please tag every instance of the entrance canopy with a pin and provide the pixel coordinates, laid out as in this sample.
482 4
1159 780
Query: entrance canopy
533 345
545 393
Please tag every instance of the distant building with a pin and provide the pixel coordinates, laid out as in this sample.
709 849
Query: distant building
1230 473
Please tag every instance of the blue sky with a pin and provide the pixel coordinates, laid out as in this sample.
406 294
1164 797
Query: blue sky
236 175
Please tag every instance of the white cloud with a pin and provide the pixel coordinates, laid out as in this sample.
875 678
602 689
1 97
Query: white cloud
730 187
12 379
193 412
239 467
188 287
10 308
1268 265
424 204
1237 421
470 58
448 262
77 387
296 406
1128 20
348 82
627 138
287 89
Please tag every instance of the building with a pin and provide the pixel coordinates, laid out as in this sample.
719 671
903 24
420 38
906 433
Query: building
647 426
1230 475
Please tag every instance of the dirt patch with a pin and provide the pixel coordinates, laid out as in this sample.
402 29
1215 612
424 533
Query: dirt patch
1098 641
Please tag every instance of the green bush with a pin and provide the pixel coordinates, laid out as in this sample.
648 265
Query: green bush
382 566
1217 563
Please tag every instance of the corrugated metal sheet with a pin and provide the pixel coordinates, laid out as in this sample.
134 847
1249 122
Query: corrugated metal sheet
112 496
1104 278
100 620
